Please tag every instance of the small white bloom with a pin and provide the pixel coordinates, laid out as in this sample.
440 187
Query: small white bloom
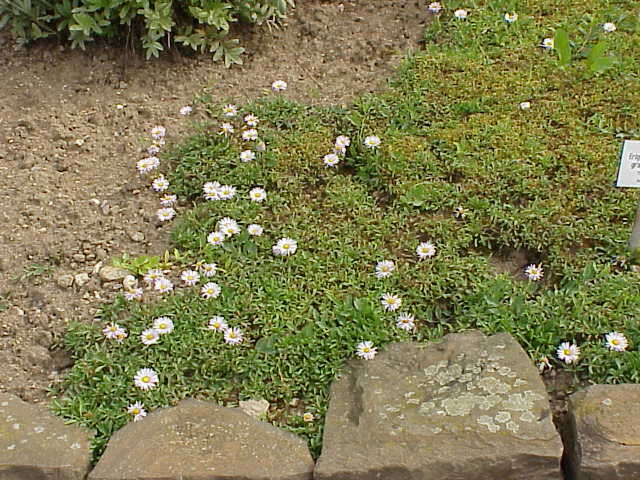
226 192
251 120
165 214
150 336
460 212
210 290
190 277
609 27
186 110
307 417
228 226
163 325
258 194
229 111
425 250
152 275
211 190
113 331
158 132
163 285
250 135
279 86
247 156
331 160
372 141
406 321
534 272
616 341
168 200
217 323
568 352
226 129
160 184
511 17
285 246
434 7
147 164
544 364
137 410
233 336
390 302
547 43
366 350
209 269
216 238
153 150
255 230
342 141
385 268
461 14
133 294
146 379
525 105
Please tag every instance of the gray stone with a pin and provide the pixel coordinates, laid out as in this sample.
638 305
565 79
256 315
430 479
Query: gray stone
34 444
469 406
81 279
113 274
256 408
136 236
602 437
202 440
64 281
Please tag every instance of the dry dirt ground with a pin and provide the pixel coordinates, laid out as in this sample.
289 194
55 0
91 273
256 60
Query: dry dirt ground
70 197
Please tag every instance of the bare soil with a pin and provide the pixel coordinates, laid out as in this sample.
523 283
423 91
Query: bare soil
73 124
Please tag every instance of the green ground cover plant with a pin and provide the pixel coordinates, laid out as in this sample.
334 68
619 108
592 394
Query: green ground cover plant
490 144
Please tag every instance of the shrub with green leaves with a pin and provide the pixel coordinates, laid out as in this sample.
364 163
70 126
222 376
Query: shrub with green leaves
201 25
461 164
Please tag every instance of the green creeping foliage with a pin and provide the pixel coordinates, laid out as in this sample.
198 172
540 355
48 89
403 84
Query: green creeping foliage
201 25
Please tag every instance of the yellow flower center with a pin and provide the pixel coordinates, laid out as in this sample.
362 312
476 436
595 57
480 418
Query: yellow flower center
566 351
145 379
135 411
615 341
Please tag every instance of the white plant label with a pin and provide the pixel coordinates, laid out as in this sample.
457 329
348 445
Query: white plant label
629 170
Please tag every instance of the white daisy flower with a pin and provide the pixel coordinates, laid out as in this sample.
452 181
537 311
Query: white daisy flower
372 141
165 214
406 321
210 290
186 110
160 184
137 410
190 277
163 325
279 86
390 302
366 350
226 192
153 150
163 285
229 110
168 200
211 190
147 164
209 269
146 379
133 294
112 331
568 352
228 226
425 250
251 120
511 17
247 156
150 336
342 141
460 212
534 272
216 238
152 275
385 268
217 324
255 230
609 27
338 150
434 7
548 44
461 14
226 129
258 194
233 336
524 105
616 341
307 417
285 246
250 135
331 160
158 132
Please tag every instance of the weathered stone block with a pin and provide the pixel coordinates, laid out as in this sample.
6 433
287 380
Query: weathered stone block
603 433
467 407
201 440
35 445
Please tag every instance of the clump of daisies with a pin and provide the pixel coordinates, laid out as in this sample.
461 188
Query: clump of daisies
113 331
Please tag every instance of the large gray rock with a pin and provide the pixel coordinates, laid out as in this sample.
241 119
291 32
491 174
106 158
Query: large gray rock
603 433
468 407
36 445
202 440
